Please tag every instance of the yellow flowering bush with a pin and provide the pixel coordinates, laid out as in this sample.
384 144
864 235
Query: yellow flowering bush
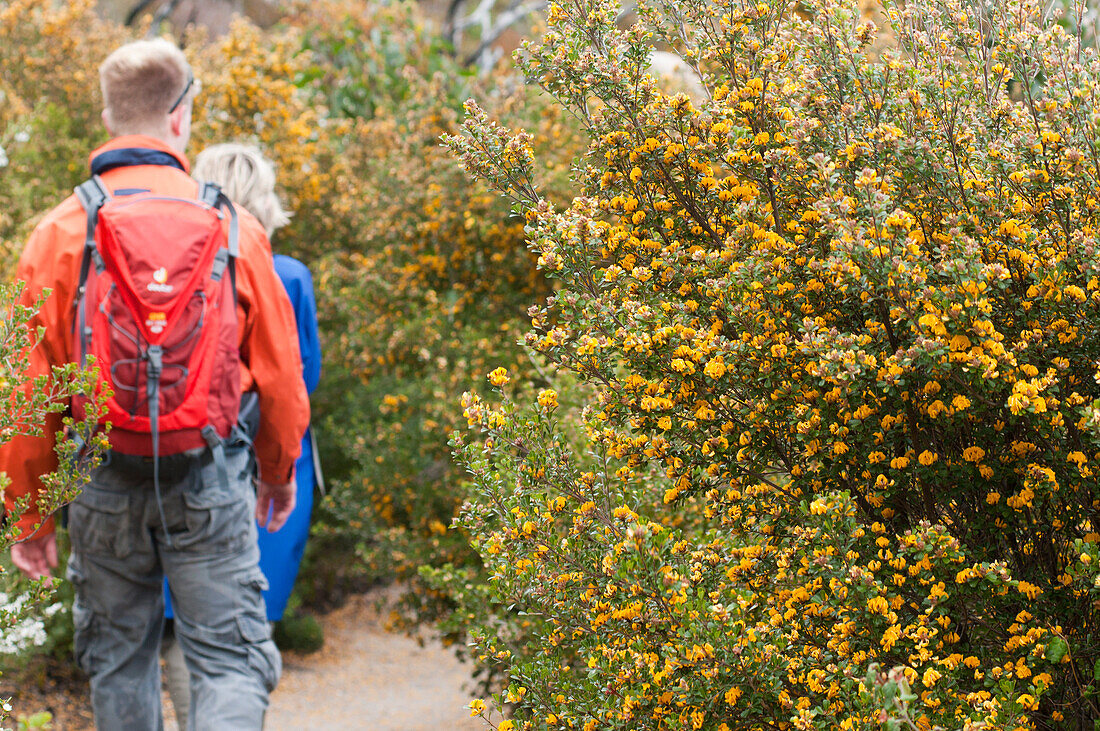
253 91
49 109
840 319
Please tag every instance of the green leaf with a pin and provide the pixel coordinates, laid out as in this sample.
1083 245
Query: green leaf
1056 650
42 720
889 692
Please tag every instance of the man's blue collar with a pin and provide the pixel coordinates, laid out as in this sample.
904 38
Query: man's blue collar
129 156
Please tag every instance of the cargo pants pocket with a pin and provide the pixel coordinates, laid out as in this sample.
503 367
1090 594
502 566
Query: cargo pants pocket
263 657
99 523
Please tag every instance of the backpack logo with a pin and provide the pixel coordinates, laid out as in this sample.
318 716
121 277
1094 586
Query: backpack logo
156 322
160 277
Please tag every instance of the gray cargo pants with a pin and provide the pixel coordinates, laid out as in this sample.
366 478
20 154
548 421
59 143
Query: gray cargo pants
206 545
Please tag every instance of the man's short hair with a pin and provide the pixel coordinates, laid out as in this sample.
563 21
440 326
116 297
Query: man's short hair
247 177
140 81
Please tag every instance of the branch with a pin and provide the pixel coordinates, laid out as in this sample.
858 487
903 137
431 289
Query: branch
493 32
136 11
482 16
161 16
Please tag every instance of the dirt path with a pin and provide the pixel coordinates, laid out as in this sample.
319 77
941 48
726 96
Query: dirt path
367 678
363 678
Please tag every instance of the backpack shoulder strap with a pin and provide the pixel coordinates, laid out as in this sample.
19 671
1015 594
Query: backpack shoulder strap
211 194
92 194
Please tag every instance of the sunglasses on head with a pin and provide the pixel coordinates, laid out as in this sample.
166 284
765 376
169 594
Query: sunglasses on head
183 94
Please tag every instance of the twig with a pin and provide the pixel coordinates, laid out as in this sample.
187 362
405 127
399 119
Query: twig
136 11
492 31
161 15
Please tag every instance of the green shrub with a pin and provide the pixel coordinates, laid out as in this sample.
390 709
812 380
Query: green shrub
299 633
422 279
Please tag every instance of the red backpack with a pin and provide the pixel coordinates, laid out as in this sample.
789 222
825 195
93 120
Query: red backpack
158 314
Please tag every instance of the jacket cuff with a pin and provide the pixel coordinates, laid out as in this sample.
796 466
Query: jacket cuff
29 521
277 472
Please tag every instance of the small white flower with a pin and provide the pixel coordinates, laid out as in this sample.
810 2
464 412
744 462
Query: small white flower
26 634
22 136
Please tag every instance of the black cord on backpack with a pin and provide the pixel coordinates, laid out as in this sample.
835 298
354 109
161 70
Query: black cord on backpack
153 369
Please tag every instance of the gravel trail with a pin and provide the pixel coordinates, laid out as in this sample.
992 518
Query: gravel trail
367 678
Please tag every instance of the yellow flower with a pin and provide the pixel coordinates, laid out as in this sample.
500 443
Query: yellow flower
499 377
933 323
1029 590
1050 138
548 398
960 342
973 454
624 513
715 368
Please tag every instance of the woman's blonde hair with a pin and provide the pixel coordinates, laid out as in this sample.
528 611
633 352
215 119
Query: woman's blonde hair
247 177
140 81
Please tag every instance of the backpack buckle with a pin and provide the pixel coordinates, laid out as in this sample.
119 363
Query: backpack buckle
154 362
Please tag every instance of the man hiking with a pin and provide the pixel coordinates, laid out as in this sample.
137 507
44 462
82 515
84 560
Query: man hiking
171 290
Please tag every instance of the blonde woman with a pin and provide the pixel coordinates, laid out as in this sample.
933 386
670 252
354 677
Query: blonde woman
248 178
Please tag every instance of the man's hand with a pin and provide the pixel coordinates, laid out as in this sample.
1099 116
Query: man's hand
37 555
276 500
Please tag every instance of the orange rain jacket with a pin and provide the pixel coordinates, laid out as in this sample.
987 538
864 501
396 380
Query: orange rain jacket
270 361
